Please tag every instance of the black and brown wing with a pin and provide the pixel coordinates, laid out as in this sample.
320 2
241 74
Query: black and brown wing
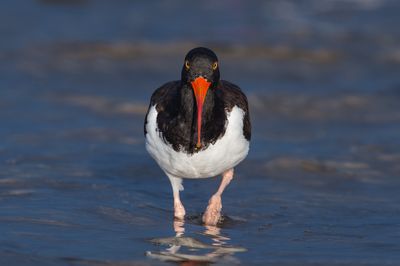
231 95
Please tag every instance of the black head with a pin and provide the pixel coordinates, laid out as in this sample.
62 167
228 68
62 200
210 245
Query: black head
200 72
202 62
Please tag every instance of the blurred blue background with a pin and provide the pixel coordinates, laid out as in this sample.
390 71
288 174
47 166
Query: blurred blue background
320 185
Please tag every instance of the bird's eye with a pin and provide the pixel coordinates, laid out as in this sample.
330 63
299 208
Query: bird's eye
214 66
187 65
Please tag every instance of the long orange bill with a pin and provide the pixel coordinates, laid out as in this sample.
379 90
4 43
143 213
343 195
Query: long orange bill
200 87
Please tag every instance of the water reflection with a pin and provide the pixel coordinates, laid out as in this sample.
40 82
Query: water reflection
186 249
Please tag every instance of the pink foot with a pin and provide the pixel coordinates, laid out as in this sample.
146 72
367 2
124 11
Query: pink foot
179 211
213 211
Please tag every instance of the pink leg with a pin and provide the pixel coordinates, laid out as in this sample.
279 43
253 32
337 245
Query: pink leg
179 210
213 211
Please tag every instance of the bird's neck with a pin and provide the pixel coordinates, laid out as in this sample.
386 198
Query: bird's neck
213 118
189 107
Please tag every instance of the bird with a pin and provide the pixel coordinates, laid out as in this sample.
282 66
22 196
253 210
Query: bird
198 127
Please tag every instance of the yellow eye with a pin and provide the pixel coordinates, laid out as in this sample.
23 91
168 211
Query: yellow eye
187 64
214 66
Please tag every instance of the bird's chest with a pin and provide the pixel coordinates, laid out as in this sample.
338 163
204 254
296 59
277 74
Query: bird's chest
218 156
181 132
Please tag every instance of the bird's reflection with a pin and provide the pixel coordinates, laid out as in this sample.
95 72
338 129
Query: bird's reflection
179 227
182 248
215 234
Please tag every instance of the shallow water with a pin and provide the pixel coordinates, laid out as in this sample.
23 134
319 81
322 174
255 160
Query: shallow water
319 187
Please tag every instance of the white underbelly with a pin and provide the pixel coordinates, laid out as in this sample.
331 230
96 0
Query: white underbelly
224 154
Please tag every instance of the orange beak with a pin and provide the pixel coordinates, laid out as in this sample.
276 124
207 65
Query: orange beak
200 87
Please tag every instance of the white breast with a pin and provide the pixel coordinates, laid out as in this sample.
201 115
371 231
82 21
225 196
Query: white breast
224 154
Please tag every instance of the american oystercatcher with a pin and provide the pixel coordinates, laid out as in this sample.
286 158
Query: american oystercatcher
198 127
